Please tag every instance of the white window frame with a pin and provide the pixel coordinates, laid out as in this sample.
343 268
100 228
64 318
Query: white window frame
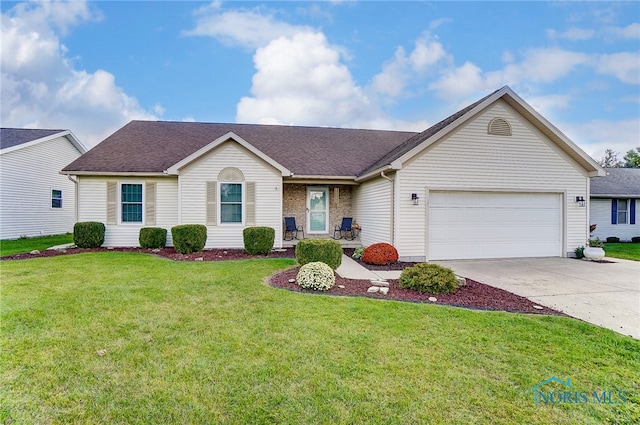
243 204
61 198
625 211
130 223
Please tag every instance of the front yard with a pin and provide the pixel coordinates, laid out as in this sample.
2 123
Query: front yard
627 251
131 338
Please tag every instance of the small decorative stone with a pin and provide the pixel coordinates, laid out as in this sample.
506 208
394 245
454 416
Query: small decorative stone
109 247
34 252
373 289
538 307
198 259
155 250
380 283
461 280
384 290
292 280
224 252
341 286
433 299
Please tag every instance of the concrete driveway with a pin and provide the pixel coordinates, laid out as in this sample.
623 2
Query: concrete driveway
605 294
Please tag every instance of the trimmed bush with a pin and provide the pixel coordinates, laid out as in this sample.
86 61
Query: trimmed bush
428 278
258 240
188 238
152 237
380 254
327 251
635 239
317 276
357 253
613 239
579 251
88 234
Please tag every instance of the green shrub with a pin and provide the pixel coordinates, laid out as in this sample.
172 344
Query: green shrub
579 252
595 243
152 237
188 238
317 276
258 240
635 239
380 254
88 234
613 239
428 278
357 254
325 250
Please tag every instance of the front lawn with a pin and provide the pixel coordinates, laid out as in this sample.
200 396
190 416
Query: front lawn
131 338
14 246
628 251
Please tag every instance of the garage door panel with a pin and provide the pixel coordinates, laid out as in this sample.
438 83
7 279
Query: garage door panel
494 225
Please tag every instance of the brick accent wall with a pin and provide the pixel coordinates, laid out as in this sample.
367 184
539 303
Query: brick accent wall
294 204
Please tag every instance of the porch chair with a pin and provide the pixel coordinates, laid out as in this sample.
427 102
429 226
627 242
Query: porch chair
291 229
344 229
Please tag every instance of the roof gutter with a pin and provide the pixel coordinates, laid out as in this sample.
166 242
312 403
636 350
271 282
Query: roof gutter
375 173
116 173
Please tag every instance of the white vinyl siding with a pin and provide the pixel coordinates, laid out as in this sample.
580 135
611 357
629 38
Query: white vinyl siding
266 184
93 207
28 175
472 160
601 217
371 204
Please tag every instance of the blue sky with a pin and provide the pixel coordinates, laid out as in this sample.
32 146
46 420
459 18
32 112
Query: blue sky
94 66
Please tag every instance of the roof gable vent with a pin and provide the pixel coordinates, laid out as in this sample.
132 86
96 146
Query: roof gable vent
231 174
499 127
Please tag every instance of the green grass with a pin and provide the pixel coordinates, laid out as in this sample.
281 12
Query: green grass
209 342
15 246
628 251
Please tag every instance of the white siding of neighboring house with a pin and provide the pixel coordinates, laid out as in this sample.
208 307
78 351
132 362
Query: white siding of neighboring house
371 204
471 159
268 181
601 216
92 206
28 175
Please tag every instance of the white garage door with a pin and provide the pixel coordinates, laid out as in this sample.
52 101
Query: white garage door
466 225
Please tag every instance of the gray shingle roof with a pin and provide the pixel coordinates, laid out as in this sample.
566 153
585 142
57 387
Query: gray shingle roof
619 181
10 137
154 146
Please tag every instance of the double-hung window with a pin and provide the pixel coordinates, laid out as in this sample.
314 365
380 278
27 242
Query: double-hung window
131 203
231 202
623 211
56 198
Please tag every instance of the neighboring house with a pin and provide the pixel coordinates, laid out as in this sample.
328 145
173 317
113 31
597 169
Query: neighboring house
614 201
495 179
35 199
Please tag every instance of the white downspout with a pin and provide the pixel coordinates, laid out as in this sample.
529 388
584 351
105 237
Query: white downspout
393 195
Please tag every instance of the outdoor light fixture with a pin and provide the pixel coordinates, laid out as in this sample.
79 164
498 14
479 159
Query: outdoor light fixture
581 202
414 198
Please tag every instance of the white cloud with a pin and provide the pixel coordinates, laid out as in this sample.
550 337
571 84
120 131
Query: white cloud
40 86
403 68
624 66
631 31
250 28
596 136
573 34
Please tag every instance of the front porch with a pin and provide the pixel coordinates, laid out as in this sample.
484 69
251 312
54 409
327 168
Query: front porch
318 208
343 242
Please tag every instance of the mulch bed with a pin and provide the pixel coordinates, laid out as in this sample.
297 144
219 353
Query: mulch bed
474 295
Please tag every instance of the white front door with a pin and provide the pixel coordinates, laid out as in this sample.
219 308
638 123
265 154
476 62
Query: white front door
317 209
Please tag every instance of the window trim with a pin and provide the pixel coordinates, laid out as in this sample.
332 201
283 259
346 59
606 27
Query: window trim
243 204
119 200
61 199
626 210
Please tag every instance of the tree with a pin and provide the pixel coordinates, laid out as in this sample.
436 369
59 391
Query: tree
632 158
610 159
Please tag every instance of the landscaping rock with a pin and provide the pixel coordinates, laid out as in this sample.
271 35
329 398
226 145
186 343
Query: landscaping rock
198 259
384 290
380 283
433 299
538 307
292 280
34 252
373 289
461 280
341 286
